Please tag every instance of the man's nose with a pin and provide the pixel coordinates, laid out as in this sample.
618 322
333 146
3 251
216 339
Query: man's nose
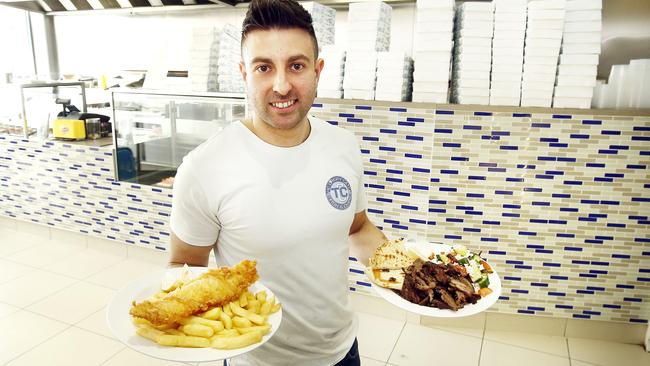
281 84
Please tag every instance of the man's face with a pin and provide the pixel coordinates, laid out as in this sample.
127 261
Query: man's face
281 75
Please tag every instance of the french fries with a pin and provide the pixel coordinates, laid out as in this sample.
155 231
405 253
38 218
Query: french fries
237 324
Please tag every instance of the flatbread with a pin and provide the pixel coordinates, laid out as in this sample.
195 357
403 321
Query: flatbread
386 267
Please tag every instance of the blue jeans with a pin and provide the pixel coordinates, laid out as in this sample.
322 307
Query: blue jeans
350 359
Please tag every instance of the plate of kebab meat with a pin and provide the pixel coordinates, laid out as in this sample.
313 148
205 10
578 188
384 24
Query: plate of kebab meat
433 279
195 314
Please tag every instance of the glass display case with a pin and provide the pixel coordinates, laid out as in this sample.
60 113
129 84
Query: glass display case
153 131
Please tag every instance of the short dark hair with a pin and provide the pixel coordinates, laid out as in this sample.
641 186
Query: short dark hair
277 14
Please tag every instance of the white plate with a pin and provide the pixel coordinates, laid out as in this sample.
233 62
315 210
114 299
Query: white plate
121 324
469 309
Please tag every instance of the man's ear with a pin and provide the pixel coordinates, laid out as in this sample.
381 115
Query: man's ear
242 70
320 63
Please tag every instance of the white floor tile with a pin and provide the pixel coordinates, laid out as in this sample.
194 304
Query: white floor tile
154 256
607 353
120 274
23 330
419 345
32 228
42 255
606 331
501 354
6 309
370 362
377 336
375 305
107 246
32 287
73 347
96 323
536 342
84 263
532 324
12 242
10 270
68 237
73 303
130 357
7 223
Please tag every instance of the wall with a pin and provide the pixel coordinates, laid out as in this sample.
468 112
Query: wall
559 204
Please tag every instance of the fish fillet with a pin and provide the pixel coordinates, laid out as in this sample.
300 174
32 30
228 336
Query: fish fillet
215 287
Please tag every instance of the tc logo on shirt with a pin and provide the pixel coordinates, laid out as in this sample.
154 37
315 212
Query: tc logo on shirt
338 192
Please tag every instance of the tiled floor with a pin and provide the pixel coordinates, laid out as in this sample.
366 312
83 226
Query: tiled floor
53 293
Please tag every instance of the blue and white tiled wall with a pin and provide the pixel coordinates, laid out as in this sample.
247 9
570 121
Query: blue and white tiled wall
558 203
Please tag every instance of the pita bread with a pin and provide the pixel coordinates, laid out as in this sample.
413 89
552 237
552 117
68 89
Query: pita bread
386 265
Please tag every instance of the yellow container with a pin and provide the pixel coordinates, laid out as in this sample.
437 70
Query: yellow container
69 129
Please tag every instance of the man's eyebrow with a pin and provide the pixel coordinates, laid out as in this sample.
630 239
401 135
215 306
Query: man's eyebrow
267 60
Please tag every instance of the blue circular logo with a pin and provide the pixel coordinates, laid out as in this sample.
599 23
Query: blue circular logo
338 192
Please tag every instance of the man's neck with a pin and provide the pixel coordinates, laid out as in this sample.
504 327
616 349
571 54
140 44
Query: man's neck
279 137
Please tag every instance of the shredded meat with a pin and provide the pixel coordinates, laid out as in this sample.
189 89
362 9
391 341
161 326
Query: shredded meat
438 285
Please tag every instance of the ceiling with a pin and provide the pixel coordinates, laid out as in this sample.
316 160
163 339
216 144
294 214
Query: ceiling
48 6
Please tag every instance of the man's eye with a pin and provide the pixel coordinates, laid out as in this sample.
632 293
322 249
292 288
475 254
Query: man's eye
297 67
263 68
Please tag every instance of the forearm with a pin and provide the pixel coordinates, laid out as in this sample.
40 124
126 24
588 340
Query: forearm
364 242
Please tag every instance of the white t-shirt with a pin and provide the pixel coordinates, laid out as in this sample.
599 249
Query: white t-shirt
291 210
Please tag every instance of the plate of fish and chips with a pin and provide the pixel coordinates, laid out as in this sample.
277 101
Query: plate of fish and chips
433 279
195 314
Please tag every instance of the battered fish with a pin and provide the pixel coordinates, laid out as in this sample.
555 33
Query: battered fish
215 287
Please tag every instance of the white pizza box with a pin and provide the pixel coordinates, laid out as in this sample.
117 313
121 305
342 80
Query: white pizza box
581 48
423 42
368 26
509 17
544 33
434 15
444 27
507 76
534 24
509 51
540 68
479 100
507 101
565 102
432 57
578 70
430 86
510 26
479 7
474 16
536 85
361 56
394 88
515 35
510 60
582 37
471 74
498 43
477 24
536 102
472 83
540 60
533 93
359 94
538 78
471 66
391 97
579 59
554 43
473 92
574 91
435 4
461 58
541 51
431 37
546 4
405 74
586 26
583 15
466 42
325 93
510 6
475 32
368 45
393 58
514 92
546 14
584 4
368 10
505 85
577 80
433 97
502 68
358 84
431 73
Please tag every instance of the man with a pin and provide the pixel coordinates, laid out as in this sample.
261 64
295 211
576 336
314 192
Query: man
284 189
